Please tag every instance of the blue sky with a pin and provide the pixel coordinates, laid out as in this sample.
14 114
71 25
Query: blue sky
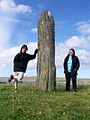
18 25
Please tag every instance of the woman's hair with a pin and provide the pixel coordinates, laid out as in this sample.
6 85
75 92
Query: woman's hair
73 51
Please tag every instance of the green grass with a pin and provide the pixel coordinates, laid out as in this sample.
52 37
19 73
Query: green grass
30 104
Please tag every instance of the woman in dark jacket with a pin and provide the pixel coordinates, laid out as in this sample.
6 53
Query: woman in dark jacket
20 65
71 66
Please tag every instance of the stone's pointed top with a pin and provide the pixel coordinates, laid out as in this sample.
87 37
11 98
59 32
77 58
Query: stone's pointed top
46 16
49 13
46 13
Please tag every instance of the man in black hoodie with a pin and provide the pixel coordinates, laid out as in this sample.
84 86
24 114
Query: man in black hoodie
20 65
71 66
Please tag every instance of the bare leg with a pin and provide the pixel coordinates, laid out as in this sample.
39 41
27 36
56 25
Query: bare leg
16 85
17 77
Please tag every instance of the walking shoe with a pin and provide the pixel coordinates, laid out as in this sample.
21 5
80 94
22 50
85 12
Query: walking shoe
75 91
10 79
16 90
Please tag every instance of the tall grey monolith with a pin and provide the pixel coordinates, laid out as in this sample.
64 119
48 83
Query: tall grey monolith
46 70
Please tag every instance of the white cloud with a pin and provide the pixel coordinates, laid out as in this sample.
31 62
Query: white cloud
8 12
74 41
5 34
12 7
23 9
14 20
60 52
6 58
60 24
83 27
34 30
84 56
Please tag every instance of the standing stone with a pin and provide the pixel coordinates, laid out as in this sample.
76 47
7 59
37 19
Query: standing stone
46 70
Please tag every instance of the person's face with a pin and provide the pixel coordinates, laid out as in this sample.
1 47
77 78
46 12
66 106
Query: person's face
71 53
24 50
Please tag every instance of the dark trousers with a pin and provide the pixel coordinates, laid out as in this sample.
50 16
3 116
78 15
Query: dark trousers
68 79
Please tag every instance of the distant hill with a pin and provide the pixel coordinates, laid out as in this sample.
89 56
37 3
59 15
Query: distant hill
60 80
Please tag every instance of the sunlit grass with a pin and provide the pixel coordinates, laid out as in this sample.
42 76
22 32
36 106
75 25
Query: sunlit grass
31 104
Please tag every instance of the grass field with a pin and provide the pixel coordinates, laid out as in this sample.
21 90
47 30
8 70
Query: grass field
30 104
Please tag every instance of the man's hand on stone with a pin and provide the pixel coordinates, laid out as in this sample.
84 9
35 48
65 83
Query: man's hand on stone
36 51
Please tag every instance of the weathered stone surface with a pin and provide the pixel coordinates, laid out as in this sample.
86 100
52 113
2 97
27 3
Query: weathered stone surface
46 70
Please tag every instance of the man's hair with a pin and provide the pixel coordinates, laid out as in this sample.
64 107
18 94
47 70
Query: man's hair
24 46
